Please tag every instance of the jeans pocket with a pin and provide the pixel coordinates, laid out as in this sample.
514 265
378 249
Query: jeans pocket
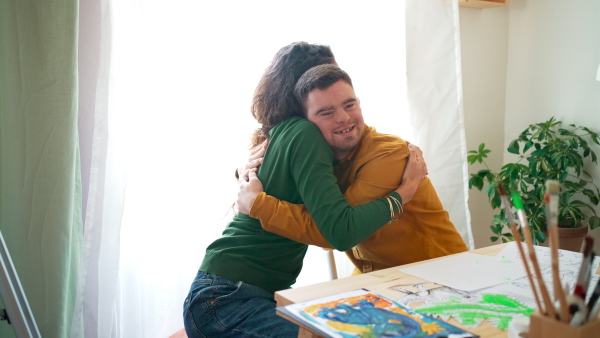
201 281
224 292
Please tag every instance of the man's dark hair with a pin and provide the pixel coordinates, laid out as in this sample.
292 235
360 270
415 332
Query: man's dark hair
318 77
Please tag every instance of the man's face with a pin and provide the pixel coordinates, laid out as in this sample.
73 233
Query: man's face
336 111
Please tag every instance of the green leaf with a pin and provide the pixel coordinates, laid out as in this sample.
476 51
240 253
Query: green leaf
496 200
579 205
591 195
564 131
539 236
476 181
540 152
593 136
483 173
513 147
495 229
586 152
478 155
570 185
594 222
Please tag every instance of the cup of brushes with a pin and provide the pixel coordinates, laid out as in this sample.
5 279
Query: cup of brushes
583 321
568 314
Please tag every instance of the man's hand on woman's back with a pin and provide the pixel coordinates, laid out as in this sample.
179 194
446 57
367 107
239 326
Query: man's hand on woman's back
254 160
249 189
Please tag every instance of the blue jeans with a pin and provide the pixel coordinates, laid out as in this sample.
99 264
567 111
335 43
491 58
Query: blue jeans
218 307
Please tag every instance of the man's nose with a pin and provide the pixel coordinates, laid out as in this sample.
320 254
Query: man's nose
342 116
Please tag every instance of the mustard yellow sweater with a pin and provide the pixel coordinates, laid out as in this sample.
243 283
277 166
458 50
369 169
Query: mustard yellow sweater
373 170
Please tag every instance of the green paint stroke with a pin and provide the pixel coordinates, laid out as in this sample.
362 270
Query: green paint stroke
491 306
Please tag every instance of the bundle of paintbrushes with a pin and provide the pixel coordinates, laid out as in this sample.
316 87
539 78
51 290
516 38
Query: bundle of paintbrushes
571 309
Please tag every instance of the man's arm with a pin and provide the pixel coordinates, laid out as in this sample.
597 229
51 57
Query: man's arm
286 219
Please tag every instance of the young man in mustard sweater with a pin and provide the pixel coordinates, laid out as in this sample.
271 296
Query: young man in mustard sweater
368 165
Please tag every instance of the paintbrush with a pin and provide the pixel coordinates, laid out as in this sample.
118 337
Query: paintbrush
593 304
532 256
517 236
552 198
577 307
583 278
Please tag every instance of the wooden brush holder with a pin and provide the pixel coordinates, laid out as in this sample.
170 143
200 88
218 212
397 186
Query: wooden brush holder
544 327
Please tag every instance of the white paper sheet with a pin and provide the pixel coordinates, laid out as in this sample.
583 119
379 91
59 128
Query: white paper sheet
468 271
569 265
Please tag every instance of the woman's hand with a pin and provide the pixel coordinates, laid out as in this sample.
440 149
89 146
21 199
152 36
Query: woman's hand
415 171
418 165
254 160
249 189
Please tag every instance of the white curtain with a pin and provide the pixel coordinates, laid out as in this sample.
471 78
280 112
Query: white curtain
435 101
171 122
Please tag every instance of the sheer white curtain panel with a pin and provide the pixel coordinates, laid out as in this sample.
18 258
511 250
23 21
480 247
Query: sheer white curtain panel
434 78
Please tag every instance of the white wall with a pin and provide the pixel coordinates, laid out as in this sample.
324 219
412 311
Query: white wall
549 51
553 55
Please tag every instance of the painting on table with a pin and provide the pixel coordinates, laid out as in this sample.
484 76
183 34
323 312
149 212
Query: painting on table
362 313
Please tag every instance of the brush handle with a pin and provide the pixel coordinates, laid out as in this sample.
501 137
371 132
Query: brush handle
551 198
594 312
593 304
534 287
532 255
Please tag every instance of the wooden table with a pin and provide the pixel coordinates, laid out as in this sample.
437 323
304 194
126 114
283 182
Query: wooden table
381 282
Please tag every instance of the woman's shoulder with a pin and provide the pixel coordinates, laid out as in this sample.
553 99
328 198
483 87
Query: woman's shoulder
295 126
296 122
298 135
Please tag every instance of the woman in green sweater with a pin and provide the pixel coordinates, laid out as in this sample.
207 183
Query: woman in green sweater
232 294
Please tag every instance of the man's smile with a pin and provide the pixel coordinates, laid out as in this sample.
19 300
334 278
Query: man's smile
347 130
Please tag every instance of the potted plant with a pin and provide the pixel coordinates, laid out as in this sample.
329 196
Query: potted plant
546 151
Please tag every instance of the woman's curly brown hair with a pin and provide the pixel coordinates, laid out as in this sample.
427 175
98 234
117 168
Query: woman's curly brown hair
274 100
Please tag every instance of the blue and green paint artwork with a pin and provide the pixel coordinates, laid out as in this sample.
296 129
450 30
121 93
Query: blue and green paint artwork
469 309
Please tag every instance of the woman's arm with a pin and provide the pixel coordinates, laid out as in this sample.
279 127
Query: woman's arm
377 178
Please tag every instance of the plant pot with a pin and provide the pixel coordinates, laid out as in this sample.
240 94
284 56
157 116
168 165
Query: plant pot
571 238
